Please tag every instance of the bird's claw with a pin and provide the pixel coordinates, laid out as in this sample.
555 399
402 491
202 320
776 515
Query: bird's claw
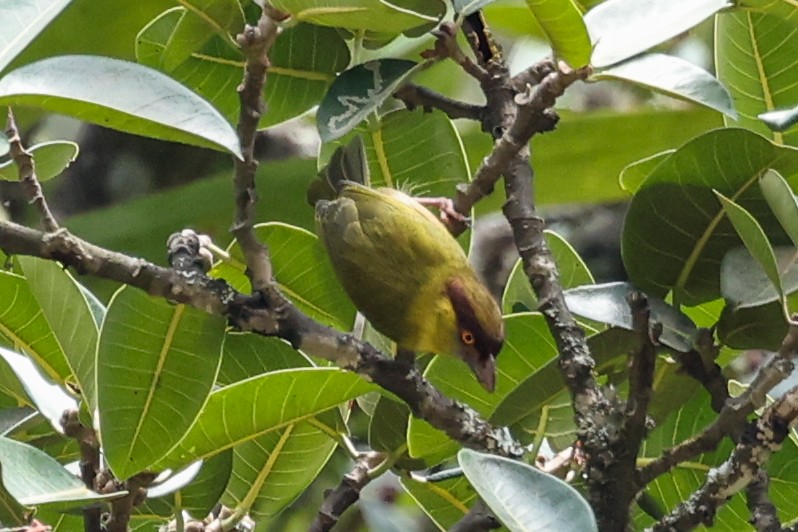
447 211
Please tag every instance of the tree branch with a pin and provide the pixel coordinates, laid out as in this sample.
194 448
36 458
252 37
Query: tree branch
267 313
732 418
27 174
417 96
742 467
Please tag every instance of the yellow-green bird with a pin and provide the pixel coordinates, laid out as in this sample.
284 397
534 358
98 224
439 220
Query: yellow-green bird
405 273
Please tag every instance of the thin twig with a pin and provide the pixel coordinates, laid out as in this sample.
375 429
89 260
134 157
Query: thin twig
416 96
255 42
337 500
27 174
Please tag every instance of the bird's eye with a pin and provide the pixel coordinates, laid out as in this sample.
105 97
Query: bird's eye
467 337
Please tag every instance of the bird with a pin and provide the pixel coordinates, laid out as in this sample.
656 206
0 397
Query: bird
402 268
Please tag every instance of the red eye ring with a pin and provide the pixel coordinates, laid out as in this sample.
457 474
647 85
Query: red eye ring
467 337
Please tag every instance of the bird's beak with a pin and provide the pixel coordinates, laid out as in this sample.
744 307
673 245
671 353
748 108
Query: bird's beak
485 370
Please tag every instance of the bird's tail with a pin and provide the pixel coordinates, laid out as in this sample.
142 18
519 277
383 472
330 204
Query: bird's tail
348 164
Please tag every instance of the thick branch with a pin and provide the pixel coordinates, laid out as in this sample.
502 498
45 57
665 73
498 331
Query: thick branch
270 314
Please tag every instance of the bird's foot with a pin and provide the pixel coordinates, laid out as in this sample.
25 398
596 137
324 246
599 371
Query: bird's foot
446 208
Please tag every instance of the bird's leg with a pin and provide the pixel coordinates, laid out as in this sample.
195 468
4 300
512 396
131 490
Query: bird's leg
405 357
446 208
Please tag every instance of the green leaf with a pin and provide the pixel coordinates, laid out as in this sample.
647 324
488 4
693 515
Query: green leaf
565 29
753 62
620 29
445 502
247 355
121 95
35 479
388 431
358 92
780 120
67 310
51 158
633 176
754 239
573 272
272 470
156 364
25 329
674 77
222 16
303 272
607 303
22 22
415 151
245 410
744 283
676 233
505 485
373 15
759 327
782 201
298 75
784 9
49 399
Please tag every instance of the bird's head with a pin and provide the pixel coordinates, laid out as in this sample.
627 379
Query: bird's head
479 330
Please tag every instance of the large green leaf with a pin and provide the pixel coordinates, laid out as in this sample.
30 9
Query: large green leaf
272 470
156 364
121 95
675 232
66 308
784 9
674 77
247 355
744 282
35 479
22 22
563 24
302 270
358 92
753 59
754 239
782 201
621 29
298 76
413 151
633 176
505 485
245 410
24 328
374 15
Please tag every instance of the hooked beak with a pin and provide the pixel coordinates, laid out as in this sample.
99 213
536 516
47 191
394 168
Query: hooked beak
485 370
